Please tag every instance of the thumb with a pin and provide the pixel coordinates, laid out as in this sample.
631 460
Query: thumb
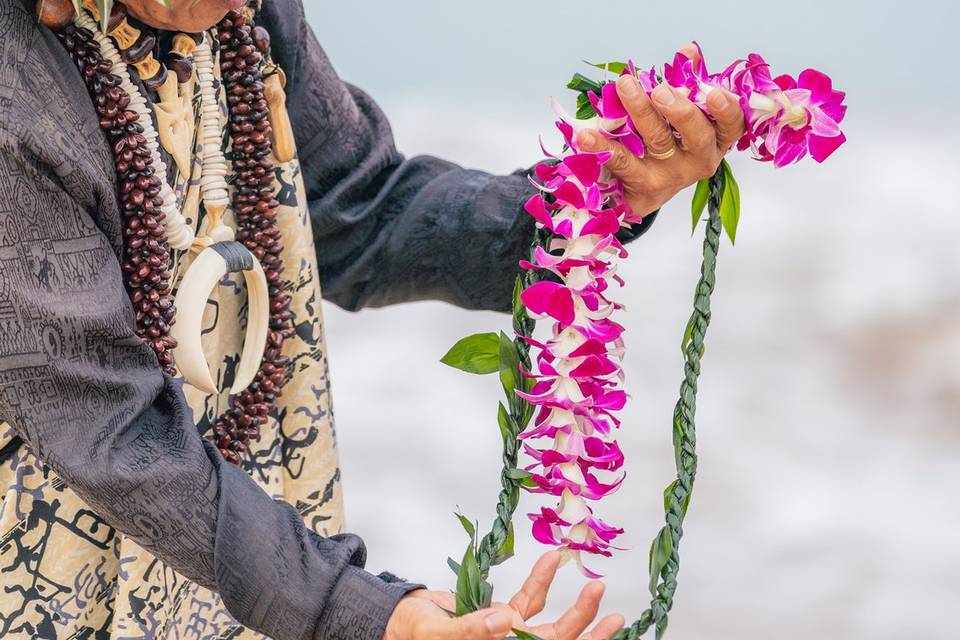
486 624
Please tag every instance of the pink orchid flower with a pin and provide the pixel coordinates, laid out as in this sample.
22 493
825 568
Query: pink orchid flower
789 118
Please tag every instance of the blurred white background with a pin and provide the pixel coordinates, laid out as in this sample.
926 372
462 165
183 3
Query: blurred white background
826 503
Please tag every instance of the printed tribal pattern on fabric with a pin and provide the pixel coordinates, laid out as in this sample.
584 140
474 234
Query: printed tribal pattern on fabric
42 522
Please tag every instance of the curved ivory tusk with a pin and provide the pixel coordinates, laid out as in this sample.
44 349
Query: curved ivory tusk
209 268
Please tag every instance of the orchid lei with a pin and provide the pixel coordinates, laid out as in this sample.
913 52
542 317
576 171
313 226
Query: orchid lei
571 383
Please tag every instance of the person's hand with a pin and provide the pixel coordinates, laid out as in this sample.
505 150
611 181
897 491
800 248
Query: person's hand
425 615
668 165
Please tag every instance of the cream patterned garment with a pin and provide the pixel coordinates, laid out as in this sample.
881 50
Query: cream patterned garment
73 576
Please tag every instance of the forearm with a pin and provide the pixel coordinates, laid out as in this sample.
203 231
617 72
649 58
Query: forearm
434 231
148 473
86 394
388 229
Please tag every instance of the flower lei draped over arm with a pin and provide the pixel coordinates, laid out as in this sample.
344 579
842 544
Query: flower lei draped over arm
570 384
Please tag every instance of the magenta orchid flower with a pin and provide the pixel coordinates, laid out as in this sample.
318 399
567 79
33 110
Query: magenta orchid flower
576 372
789 118
578 369
691 78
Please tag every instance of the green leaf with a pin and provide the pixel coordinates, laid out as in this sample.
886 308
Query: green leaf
660 552
517 306
700 197
612 67
517 474
523 635
454 565
585 109
479 353
104 7
668 495
509 363
668 498
468 582
505 422
528 483
687 334
485 594
582 83
467 525
505 552
78 6
730 203
735 186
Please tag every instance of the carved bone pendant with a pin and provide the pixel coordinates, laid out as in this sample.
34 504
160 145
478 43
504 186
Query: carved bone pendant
175 120
274 81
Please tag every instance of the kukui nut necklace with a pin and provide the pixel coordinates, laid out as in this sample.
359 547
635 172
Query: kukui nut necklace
153 223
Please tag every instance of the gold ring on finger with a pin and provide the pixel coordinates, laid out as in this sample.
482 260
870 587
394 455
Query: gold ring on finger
662 156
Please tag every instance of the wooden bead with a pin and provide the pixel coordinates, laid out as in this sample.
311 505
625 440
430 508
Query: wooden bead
151 72
261 38
118 13
56 15
186 43
125 33
180 65
140 49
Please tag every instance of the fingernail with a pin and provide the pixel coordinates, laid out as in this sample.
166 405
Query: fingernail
663 94
497 623
628 86
586 138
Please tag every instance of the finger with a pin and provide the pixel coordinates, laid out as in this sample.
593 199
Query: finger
572 623
608 626
532 597
729 117
651 126
692 51
486 624
444 600
694 127
622 160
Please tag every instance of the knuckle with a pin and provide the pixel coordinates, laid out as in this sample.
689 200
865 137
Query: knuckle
537 605
686 112
641 108
467 630
704 170
656 183
730 129
520 602
620 161
662 140
699 138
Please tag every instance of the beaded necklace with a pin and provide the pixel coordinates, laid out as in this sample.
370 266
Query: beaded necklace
153 223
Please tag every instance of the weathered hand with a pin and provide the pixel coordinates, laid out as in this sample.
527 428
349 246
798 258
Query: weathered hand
652 180
423 615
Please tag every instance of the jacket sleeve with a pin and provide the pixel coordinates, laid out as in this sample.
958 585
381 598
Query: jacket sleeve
387 228
87 396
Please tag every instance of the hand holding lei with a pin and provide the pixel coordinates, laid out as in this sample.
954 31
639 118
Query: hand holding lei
571 382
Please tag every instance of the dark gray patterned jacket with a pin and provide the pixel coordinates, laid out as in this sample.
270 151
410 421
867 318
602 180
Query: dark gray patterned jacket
387 230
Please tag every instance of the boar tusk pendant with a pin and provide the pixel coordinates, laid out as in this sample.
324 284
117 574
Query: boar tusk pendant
211 265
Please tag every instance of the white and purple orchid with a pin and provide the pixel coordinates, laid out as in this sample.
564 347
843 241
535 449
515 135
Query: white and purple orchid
578 377
787 117
578 373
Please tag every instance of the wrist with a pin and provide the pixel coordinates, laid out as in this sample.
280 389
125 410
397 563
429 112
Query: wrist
361 606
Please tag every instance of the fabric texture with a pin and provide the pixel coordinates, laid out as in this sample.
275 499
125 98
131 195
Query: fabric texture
118 520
